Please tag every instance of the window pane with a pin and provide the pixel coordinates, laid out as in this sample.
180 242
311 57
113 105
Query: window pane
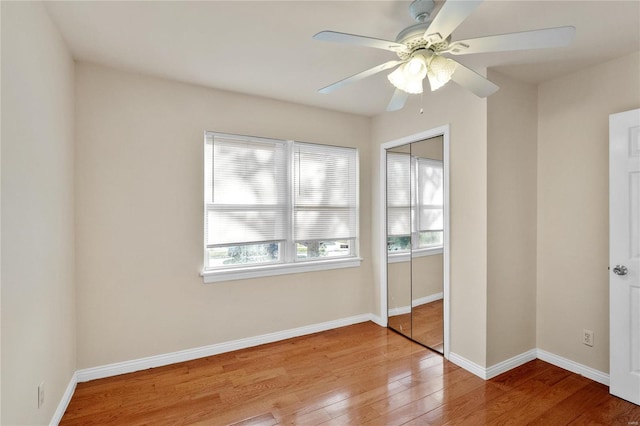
431 219
430 182
229 226
243 254
398 244
431 239
316 249
321 224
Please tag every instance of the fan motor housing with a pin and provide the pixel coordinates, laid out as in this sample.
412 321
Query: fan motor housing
413 38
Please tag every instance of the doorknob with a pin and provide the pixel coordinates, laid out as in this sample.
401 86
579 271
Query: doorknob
620 270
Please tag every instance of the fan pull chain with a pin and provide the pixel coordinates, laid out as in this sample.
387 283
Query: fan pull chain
421 103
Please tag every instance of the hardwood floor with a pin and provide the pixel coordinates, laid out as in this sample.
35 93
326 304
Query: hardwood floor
356 375
428 325
425 324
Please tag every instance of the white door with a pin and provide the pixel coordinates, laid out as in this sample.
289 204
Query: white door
624 254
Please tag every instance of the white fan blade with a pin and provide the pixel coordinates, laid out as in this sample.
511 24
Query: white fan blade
397 100
536 39
345 38
473 81
450 16
360 76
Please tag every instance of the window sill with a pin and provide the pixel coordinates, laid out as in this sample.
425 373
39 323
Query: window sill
406 256
279 269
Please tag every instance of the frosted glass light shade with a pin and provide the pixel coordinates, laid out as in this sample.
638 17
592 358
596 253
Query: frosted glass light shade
408 76
440 71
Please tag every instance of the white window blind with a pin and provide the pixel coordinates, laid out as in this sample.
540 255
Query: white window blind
398 194
324 193
246 191
430 201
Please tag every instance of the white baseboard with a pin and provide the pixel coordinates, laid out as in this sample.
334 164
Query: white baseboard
427 299
470 366
382 322
64 401
204 351
504 366
401 310
574 367
511 363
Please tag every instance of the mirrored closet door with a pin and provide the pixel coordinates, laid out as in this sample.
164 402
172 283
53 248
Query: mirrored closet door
415 194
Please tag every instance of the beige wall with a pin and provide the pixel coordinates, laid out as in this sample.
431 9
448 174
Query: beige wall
468 172
38 294
429 148
511 219
139 219
421 277
399 285
427 277
573 249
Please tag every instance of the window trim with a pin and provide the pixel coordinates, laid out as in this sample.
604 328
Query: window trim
287 265
405 256
278 269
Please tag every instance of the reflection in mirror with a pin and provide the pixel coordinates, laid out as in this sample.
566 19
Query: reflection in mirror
415 236
427 279
399 239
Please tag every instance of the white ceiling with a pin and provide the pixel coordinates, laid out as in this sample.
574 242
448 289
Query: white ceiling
265 48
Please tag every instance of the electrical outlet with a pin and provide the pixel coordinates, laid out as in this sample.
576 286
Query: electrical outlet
587 337
40 394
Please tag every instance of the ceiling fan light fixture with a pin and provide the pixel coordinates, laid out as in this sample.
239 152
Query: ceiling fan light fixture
419 47
408 76
416 67
440 71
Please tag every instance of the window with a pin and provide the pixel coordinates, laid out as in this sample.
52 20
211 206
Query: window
271 204
415 203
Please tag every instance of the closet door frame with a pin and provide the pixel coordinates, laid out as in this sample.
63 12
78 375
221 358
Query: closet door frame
382 228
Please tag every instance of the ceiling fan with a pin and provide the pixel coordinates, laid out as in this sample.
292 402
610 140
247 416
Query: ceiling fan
421 48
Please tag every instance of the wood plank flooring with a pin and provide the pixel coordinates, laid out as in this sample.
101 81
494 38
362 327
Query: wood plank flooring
424 324
357 375
428 325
